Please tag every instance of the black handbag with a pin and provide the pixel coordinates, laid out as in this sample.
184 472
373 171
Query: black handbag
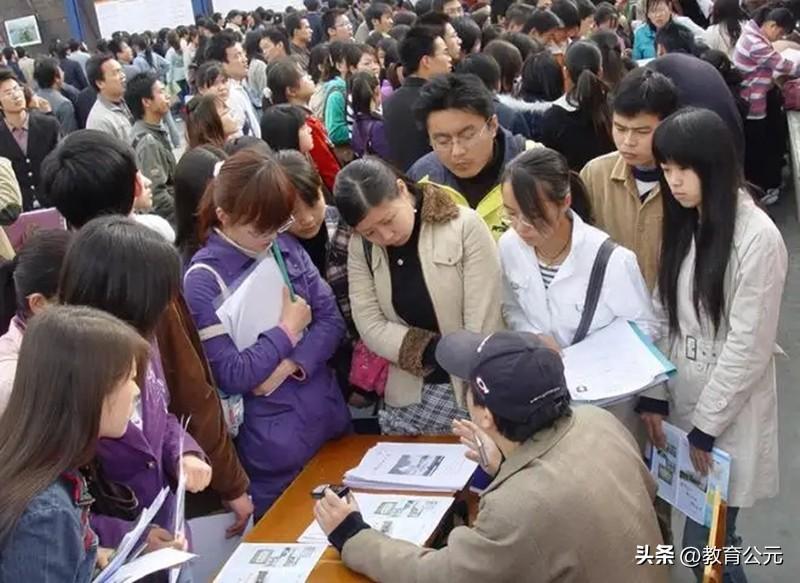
110 498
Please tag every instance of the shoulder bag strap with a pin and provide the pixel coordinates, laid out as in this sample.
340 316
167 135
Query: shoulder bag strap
214 330
595 287
368 254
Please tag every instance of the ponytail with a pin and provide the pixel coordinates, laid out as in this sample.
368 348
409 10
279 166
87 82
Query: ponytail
590 94
580 197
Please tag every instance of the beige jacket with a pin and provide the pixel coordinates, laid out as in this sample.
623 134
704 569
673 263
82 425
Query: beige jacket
10 205
726 387
461 267
617 210
569 505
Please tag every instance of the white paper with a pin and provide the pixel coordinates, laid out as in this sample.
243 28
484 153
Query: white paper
180 498
255 304
409 518
151 563
210 544
271 563
612 364
791 54
680 484
430 467
141 15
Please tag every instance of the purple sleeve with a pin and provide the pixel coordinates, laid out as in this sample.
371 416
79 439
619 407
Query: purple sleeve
236 372
109 530
380 145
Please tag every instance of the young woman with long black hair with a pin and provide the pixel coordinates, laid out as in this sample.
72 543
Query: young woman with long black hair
727 17
721 278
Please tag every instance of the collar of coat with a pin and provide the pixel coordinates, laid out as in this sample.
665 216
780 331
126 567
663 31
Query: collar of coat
534 448
437 206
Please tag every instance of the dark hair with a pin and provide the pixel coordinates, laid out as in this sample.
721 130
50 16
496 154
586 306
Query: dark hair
252 188
74 45
364 184
318 58
194 172
524 43
728 14
302 174
676 38
203 122
311 5
278 37
282 74
375 11
207 74
293 22
419 42
777 13
589 93
137 89
7 74
143 47
469 33
453 91
585 9
340 51
362 86
683 139
542 21
484 66
542 79
490 33
45 72
567 12
541 174
90 173
405 18
645 91
606 12
510 61
730 74
174 41
518 13
70 360
218 45
391 55
649 5
329 19
135 277
246 142
94 68
423 7
252 45
280 125
613 66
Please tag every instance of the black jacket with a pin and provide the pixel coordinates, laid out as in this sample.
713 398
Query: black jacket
86 99
43 134
407 141
73 74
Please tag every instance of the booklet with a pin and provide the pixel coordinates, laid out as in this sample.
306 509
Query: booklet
427 467
409 518
28 223
683 486
613 364
271 563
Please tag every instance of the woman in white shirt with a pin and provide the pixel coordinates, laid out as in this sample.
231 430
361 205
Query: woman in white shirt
727 17
547 258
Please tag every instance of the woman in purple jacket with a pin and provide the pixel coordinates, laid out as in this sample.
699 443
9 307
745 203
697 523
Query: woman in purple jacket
123 268
369 137
292 403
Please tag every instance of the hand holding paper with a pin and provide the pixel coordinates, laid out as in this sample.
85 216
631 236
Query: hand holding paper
198 473
159 538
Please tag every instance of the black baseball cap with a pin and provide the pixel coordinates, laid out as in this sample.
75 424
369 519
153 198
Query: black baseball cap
515 372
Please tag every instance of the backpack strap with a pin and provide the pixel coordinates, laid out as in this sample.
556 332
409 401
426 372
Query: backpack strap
367 246
214 330
595 287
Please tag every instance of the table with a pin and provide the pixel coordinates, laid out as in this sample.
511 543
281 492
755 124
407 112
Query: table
286 520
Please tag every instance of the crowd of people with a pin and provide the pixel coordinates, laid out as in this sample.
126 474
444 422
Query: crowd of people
437 187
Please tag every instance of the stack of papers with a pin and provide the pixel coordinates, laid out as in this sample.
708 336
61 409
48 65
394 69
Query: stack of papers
409 518
426 467
613 364
271 563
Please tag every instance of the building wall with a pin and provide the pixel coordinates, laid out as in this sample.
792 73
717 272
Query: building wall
50 17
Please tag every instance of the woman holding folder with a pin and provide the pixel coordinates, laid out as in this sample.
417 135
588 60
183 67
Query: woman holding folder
292 402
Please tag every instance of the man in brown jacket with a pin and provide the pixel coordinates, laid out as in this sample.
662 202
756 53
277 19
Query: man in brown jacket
570 500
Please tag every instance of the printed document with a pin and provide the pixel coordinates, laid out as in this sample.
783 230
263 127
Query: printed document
271 563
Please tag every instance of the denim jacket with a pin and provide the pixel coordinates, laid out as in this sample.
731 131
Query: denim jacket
52 541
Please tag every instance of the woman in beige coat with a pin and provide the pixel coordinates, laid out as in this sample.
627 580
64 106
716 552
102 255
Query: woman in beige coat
419 266
722 273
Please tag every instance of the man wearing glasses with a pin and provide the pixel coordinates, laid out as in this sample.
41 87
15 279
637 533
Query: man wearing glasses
470 149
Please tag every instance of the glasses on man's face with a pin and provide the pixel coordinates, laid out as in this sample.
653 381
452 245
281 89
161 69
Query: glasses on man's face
466 139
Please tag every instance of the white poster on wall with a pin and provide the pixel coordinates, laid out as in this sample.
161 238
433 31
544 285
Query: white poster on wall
224 6
140 15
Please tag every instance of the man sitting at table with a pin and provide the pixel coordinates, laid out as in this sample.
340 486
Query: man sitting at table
570 498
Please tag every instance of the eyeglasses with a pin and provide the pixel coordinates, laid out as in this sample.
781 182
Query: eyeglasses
466 138
287 225
515 221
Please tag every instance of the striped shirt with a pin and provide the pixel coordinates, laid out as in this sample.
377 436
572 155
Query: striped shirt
548 273
758 61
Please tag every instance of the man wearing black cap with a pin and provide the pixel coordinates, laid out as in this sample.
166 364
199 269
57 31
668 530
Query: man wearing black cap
570 499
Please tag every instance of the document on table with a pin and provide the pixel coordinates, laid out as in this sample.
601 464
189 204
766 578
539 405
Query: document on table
613 364
409 518
428 467
210 544
683 486
271 563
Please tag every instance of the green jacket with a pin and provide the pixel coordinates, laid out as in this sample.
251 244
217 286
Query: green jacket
157 162
335 111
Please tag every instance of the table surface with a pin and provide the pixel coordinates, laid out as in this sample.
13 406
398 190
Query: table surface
293 511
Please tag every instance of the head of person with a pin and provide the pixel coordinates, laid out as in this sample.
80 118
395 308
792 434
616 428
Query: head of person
344 60
543 25
252 45
208 122
194 172
226 48
470 34
365 93
613 65
298 29
12 95
318 61
567 12
235 17
288 82
517 16
376 201
729 14
48 74
643 99
311 5
405 18
337 25
424 53
658 13
378 16
74 360
538 191
523 43
284 127
481 13
440 22
775 21
586 11
606 17
309 205
510 61
250 201
584 64
274 44
121 51
388 53
210 77
700 188
105 74
483 66
514 385
9 55
674 38
368 61
399 31
452 8
134 278
91 173
458 113
147 96
542 78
